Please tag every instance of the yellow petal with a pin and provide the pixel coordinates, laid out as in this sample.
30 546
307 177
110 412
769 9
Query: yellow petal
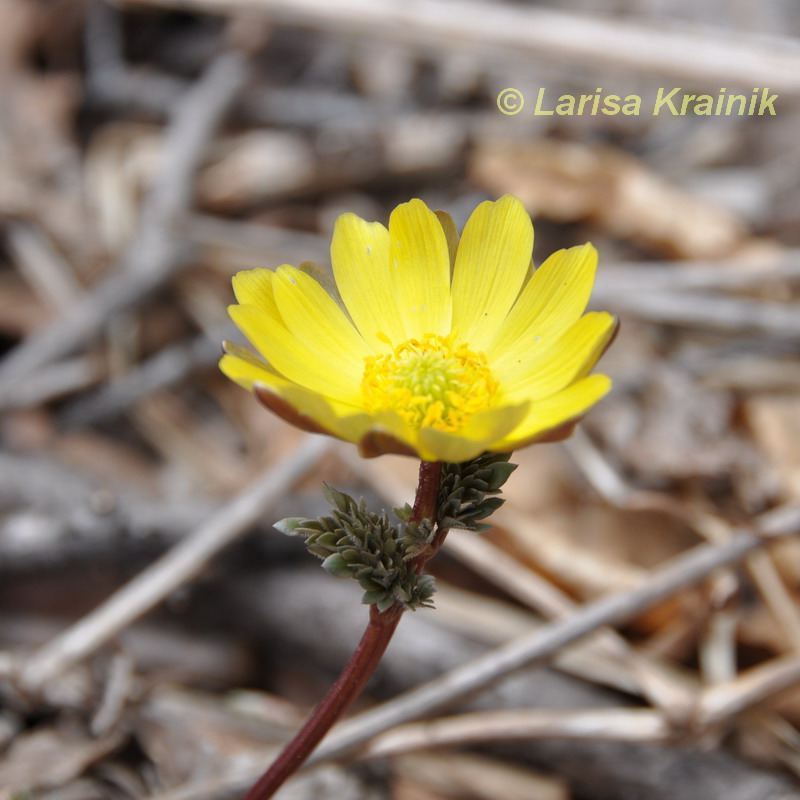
420 266
242 366
253 287
376 442
309 411
308 366
482 431
525 375
360 253
491 263
312 316
451 235
388 433
552 300
295 404
554 418
324 279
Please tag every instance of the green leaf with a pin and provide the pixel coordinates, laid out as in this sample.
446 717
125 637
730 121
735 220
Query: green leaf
337 566
339 499
327 540
385 603
289 525
320 552
350 555
371 585
480 527
374 596
500 474
491 504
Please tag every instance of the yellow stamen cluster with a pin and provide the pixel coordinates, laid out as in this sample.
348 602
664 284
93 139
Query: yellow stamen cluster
433 381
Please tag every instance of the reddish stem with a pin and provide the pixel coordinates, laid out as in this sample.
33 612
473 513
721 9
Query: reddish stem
430 481
340 696
425 505
362 663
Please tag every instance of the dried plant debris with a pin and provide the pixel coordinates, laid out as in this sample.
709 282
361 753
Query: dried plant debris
149 151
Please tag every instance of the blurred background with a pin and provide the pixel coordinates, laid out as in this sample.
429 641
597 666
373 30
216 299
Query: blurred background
150 149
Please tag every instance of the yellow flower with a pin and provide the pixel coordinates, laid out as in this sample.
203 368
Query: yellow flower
426 345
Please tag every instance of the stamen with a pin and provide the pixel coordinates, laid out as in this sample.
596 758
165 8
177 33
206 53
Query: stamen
432 381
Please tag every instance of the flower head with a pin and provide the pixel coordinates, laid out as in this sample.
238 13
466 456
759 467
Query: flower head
426 345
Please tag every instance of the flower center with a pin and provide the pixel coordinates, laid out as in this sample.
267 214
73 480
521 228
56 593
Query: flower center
432 381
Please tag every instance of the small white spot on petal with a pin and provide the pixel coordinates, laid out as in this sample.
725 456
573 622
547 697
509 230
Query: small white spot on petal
413 308
369 250
424 308
537 338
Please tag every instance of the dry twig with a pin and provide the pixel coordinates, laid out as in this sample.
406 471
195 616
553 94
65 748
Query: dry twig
182 563
158 247
663 582
707 57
